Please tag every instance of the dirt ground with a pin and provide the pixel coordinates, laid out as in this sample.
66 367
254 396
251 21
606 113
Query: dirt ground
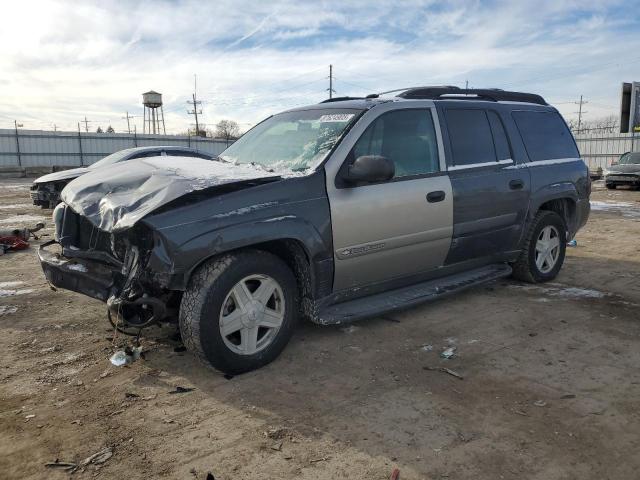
551 386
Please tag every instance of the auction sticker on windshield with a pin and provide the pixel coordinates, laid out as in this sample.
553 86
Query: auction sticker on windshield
337 117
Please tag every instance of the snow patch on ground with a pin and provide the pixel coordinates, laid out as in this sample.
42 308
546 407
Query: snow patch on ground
15 186
7 309
559 290
23 219
12 293
627 209
15 206
11 284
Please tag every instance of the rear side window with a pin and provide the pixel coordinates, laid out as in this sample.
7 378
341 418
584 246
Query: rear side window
187 153
545 135
470 137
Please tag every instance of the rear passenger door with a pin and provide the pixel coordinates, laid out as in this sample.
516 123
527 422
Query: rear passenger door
490 191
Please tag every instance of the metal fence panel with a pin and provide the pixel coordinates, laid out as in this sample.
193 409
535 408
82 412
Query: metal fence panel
40 148
599 149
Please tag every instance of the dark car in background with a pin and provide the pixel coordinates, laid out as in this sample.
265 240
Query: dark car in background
45 190
626 171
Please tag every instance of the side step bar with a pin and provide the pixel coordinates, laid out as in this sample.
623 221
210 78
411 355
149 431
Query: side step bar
407 297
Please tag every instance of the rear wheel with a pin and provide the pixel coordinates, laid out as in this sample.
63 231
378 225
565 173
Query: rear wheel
239 310
543 253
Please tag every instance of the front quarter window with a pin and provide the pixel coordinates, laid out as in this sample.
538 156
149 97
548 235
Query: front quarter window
293 141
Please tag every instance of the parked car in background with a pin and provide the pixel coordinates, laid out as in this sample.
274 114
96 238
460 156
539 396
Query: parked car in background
333 212
45 190
626 171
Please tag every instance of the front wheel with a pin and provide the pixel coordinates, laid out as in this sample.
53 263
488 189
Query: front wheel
543 253
239 310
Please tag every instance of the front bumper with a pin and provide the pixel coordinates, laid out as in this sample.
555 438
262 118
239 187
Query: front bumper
43 197
91 278
622 179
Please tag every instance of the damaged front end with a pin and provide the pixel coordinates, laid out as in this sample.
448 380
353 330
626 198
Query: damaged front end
109 267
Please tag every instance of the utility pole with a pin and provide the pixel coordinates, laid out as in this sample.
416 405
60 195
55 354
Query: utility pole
86 124
16 124
195 111
580 112
330 89
80 145
127 116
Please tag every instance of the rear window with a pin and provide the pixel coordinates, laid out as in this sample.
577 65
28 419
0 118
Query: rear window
545 135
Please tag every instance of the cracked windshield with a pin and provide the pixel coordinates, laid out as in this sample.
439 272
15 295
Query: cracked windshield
294 141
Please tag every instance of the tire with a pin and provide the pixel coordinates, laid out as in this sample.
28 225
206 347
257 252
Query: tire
525 267
213 300
611 186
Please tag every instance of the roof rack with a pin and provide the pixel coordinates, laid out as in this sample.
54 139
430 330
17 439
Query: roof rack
341 99
491 94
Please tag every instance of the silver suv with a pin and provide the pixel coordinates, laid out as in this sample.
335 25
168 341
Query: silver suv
334 212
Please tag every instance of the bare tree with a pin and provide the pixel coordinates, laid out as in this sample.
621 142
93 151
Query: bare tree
99 130
110 129
227 129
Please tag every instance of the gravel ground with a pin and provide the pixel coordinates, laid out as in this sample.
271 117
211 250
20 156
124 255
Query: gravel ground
551 386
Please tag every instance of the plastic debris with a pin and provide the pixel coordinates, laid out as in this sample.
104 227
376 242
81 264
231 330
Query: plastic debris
180 389
126 356
540 403
427 348
448 352
572 243
395 475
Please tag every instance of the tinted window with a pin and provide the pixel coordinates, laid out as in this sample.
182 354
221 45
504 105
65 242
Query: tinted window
545 135
470 137
155 153
407 137
499 136
187 153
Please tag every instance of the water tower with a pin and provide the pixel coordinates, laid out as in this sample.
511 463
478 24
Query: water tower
153 117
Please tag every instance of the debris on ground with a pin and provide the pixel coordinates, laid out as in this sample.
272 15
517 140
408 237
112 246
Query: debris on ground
17 238
321 459
276 446
72 467
540 403
126 356
210 476
180 389
448 352
427 348
97 458
572 243
445 370
395 475
567 396
277 433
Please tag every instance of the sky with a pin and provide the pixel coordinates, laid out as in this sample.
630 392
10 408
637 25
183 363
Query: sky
62 61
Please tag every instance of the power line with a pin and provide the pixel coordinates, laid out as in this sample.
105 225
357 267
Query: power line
86 124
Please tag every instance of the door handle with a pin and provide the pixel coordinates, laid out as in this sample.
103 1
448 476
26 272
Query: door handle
436 196
516 184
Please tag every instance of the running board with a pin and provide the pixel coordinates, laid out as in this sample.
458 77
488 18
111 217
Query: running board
407 297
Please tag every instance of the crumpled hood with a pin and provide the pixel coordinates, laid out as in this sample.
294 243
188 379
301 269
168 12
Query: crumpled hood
114 198
631 168
62 175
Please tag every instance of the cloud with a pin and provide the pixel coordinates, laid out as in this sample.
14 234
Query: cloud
63 60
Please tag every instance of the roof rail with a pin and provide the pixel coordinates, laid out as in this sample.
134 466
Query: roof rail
491 94
341 99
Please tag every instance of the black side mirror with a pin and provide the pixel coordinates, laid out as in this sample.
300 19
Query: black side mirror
370 169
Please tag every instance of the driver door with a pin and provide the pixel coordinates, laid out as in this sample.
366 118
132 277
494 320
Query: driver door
401 227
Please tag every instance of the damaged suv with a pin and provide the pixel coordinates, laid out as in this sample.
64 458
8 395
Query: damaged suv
334 212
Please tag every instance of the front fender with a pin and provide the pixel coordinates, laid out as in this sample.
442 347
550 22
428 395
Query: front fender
180 263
